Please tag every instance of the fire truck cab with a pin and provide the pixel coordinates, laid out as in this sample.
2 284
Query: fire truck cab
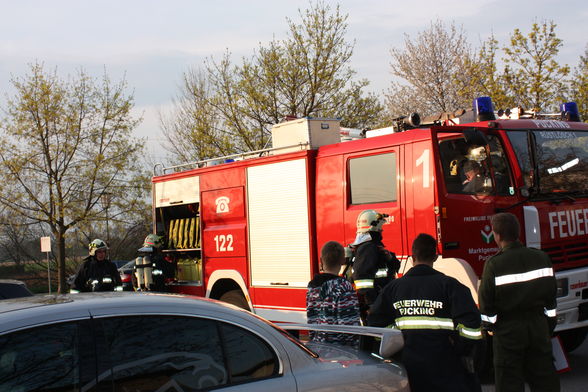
247 228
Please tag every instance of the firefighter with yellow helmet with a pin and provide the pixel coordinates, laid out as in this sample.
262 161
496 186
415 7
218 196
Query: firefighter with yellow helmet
97 272
373 265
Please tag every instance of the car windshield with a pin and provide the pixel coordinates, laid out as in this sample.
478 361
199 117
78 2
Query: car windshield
129 265
120 263
561 158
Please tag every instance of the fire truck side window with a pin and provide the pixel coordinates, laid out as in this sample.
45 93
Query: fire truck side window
453 157
475 169
500 167
373 179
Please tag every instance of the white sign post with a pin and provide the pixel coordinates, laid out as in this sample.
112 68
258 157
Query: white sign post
46 247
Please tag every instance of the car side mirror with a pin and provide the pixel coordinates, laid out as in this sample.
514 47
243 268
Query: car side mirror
391 343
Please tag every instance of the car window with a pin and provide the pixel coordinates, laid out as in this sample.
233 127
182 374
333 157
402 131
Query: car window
46 358
14 289
248 357
159 353
178 353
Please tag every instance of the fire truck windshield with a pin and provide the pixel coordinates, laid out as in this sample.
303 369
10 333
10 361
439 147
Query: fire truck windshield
560 159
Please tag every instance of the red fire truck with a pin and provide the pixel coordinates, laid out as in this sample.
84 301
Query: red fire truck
247 229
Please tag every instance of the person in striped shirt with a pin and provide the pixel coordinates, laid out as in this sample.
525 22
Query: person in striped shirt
518 304
331 299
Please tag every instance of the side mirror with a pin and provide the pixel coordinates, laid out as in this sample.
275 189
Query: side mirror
391 343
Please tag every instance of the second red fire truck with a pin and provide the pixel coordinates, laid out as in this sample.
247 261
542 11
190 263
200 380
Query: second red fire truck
247 228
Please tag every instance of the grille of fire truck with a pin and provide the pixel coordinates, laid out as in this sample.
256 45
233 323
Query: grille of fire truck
568 255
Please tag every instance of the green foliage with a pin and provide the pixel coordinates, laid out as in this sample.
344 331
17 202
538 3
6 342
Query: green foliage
441 74
579 86
482 78
532 74
65 146
225 108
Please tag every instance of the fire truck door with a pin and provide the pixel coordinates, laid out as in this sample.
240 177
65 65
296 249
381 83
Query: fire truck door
374 182
467 195
419 180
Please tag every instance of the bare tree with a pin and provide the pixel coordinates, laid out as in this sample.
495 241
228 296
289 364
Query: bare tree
427 67
19 242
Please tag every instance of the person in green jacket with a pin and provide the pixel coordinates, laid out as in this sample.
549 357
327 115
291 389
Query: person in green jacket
518 304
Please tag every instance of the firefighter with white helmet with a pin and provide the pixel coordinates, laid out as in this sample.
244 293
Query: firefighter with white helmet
373 265
97 272
151 268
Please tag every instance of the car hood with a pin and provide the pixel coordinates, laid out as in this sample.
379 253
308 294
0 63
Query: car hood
342 368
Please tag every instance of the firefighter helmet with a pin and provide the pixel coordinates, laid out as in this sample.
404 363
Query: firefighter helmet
153 240
95 245
370 220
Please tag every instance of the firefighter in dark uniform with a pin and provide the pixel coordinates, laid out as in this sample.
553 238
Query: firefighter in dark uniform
518 305
97 272
151 267
373 265
439 320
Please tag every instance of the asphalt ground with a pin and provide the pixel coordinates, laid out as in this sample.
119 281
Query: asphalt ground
574 380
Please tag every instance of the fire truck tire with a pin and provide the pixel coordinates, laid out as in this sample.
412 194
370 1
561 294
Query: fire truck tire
235 297
573 338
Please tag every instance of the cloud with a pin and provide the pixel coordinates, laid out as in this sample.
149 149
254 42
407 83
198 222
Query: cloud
152 43
150 130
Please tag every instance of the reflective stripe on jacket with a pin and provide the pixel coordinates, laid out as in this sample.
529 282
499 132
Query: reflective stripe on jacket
440 323
517 282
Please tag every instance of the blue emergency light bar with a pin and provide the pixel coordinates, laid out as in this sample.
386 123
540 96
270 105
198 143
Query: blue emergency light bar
483 109
569 111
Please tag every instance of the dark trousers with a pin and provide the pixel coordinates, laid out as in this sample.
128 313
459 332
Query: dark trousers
522 353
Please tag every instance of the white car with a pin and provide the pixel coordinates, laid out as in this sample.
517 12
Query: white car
158 342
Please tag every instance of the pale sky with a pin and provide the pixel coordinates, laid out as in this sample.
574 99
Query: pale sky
154 42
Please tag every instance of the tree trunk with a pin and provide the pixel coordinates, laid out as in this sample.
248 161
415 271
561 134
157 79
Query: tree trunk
60 239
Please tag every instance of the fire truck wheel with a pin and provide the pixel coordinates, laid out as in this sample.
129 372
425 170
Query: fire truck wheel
235 297
572 339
